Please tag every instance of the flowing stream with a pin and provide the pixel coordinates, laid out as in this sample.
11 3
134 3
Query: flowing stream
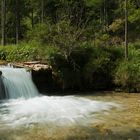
23 105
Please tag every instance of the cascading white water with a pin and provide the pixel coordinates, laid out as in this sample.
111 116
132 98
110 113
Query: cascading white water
21 109
18 83
60 111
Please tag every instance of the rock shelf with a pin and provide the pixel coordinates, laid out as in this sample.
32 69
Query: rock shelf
35 65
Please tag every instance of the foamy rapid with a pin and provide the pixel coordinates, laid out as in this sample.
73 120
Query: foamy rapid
66 110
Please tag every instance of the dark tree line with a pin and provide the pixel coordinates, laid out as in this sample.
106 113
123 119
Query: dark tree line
105 17
85 39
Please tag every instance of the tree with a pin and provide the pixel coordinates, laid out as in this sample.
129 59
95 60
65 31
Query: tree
42 11
17 21
126 30
3 20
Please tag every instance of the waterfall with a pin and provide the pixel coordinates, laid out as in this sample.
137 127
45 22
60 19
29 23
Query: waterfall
22 110
16 83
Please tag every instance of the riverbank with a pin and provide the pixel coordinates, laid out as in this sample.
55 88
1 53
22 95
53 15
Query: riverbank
86 68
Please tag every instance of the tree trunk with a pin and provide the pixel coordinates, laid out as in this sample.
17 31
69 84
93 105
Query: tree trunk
3 19
32 16
17 21
104 15
126 30
42 11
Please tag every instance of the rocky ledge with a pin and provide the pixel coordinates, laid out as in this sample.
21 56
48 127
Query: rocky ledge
34 65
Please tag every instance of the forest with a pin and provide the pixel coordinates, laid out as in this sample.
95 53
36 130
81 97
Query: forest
90 44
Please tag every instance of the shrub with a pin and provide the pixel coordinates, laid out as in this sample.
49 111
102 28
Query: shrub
65 67
2 53
128 72
16 53
91 67
99 70
40 33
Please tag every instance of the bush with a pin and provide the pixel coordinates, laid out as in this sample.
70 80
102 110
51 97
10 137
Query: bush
99 70
40 33
91 67
128 72
2 53
18 53
65 67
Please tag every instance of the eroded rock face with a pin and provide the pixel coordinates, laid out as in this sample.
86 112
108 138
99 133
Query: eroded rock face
43 80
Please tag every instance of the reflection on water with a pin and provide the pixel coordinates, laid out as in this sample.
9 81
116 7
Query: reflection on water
62 111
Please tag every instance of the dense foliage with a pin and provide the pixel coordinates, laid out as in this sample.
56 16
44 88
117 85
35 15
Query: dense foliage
128 72
83 40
